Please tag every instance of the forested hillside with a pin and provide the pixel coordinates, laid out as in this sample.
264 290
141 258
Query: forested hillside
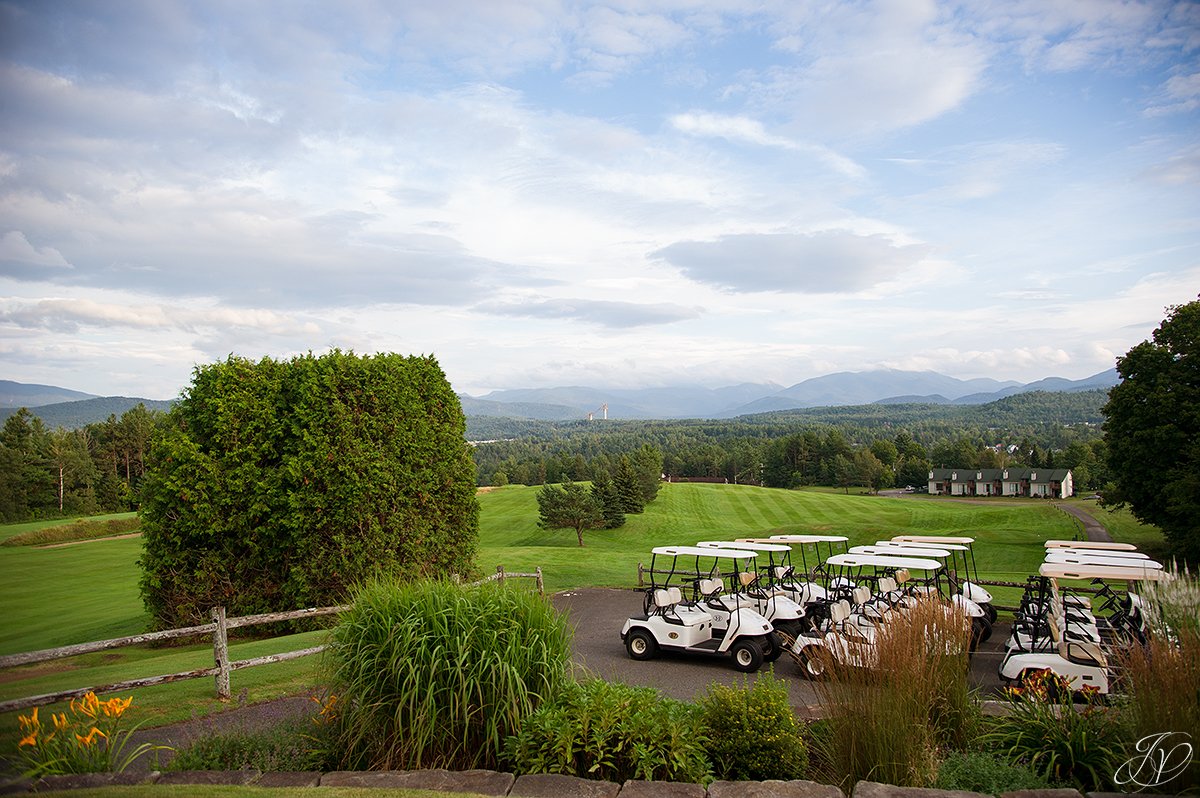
876 445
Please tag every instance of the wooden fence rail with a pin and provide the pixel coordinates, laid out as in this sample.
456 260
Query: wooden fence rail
222 666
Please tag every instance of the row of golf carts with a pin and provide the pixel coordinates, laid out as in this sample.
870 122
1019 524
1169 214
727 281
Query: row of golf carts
813 595
1073 621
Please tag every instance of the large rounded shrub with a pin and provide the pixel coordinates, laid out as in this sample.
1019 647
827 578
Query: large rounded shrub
437 675
278 485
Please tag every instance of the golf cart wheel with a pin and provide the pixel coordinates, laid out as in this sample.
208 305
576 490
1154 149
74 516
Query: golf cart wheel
812 663
747 655
991 613
641 645
981 630
775 647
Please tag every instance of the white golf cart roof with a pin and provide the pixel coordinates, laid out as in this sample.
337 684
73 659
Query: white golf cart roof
746 545
697 551
1123 555
881 561
914 544
933 539
1090 544
1126 573
899 551
1093 559
808 538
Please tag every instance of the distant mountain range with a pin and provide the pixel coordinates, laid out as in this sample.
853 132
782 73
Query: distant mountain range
61 407
844 388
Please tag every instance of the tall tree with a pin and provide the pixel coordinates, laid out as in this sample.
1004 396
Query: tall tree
1152 428
610 503
570 506
628 486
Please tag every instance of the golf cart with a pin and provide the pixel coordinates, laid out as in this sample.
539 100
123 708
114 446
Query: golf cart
866 593
671 622
1060 631
964 571
1099 545
768 591
982 615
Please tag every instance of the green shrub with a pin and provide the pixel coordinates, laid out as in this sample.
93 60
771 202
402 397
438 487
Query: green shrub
437 675
295 745
83 529
614 732
280 485
752 732
979 771
1046 731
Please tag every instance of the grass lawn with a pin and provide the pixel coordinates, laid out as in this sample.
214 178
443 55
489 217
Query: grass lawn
89 591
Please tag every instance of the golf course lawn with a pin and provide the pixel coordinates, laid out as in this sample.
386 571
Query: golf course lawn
89 591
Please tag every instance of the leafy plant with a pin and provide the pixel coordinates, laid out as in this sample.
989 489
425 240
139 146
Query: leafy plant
433 674
294 745
604 730
980 771
1044 730
88 740
83 529
752 732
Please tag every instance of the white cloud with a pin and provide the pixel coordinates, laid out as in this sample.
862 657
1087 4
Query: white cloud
16 253
831 261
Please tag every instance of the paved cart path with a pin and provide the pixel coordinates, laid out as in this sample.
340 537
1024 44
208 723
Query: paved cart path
1094 529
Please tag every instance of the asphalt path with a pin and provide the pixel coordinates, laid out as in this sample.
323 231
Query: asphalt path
597 615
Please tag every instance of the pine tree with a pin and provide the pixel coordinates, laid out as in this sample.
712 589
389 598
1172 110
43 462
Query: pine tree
628 486
606 493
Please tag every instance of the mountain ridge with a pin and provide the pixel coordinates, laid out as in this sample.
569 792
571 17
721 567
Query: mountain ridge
564 403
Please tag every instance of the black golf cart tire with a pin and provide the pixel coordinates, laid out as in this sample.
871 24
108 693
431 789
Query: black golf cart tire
640 644
981 630
991 613
812 663
747 655
775 647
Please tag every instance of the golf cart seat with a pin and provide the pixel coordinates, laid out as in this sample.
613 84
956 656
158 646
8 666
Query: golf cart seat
665 602
746 578
1082 652
860 595
709 587
783 572
839 611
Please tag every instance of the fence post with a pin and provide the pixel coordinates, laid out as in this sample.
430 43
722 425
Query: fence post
500 573
641 581
221 653
541 585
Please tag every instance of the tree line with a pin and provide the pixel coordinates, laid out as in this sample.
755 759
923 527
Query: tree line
873 446
98 468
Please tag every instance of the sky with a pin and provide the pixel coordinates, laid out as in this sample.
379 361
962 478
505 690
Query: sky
621 194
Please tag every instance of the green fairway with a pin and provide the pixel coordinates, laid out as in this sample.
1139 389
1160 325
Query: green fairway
1009 534
89 591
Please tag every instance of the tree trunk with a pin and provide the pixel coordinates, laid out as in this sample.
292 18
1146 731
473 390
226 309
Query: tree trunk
579 534
60 489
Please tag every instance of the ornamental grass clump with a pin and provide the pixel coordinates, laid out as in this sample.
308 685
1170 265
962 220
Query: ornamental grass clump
88 738
437 675
612 732
888 721
752 733
1162 681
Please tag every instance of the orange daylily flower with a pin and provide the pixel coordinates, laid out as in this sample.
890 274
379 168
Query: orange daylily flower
91 737
30 740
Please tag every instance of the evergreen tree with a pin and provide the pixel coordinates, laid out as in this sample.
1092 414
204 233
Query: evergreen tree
610 503
628 486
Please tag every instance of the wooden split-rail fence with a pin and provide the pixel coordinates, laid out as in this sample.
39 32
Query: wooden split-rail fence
219 629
